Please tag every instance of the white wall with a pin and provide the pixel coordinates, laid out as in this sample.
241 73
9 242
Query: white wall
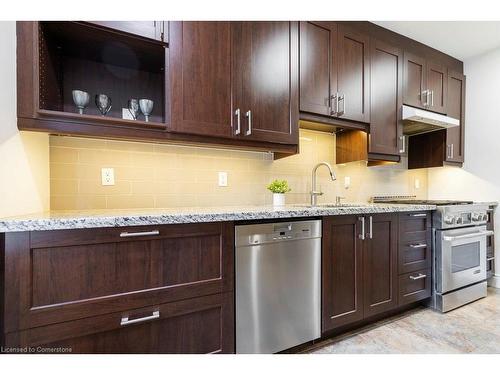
479 179
24 157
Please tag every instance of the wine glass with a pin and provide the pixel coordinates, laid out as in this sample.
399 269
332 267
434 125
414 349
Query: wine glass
81 100
146 106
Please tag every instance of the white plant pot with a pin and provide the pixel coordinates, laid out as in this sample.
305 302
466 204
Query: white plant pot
278 199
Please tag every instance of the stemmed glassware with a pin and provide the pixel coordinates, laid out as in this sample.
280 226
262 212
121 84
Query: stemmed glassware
146 106
81 100
103 103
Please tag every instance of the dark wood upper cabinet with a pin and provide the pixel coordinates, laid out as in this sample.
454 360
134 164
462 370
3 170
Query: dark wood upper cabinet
200 77
353 75
157 30
317 76
266 81
342 289
456 109
386 96
380 264
415 79
334 71
437 84
425 83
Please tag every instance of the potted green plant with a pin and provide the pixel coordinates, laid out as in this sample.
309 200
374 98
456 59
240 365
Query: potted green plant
279 188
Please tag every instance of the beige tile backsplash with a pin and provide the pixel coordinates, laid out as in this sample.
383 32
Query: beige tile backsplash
151 175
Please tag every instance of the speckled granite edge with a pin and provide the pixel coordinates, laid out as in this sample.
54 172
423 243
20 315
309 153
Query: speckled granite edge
61 220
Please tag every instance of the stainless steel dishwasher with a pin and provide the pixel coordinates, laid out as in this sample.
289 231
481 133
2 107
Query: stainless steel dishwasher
278 285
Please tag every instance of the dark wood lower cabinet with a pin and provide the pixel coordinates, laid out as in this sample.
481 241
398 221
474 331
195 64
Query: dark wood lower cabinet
380 264
194 326
361 277
144 289
342 291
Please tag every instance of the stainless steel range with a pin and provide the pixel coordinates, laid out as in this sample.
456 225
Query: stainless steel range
460 234
459 250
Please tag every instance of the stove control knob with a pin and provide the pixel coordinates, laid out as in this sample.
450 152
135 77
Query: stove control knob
476 216
449 219
459 220
485 217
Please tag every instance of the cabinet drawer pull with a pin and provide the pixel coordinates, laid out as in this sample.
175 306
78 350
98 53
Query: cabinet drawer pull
140 234
420 276
417 215
490 259
418 245
125 321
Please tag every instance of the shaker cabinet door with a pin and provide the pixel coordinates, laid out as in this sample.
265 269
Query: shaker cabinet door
200 76
456 109
414 80
266 80
437 86
353 75
380 264
386 88
342 298
318 80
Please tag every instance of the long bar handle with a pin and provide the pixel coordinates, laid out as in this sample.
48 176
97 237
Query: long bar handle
125 320
370 230
418 245
417 215
470 235
335 105
432 98
402 150
249 116
420 276
140 234
238 121
362 234
339 98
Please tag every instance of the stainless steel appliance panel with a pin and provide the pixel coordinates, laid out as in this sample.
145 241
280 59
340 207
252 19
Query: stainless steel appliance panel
460 257
278 285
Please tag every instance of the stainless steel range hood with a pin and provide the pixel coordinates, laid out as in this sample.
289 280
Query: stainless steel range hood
418 121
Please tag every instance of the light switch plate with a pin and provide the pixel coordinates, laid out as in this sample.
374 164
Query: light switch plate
222 178
107 176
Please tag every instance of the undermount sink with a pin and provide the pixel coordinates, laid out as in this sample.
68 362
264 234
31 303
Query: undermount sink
331 205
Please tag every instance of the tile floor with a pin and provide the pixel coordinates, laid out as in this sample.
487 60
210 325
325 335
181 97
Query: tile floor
474 328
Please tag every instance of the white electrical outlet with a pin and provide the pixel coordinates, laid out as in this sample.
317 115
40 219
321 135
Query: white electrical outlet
417 183
347 182
222 178
107 176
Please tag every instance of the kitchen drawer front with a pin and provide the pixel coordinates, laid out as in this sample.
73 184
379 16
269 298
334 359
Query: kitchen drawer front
413 222
63 275
196 326
415 241
414 286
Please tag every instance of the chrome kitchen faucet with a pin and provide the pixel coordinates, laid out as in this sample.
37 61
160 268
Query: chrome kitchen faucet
314 193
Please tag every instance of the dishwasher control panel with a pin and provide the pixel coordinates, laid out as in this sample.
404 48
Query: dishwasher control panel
256 234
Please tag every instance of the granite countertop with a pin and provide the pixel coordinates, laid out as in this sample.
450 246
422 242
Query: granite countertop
55 220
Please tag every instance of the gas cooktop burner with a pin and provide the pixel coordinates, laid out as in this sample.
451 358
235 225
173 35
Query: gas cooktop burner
432 202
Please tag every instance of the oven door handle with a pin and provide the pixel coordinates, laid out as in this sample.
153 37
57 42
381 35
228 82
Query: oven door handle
470 235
